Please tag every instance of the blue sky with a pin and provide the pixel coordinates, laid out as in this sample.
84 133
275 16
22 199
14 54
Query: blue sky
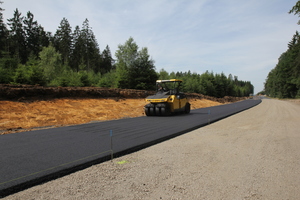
240 37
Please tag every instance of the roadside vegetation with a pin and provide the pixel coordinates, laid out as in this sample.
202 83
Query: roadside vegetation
72 57
284 80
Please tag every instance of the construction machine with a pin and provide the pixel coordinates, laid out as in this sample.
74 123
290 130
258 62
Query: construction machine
167 100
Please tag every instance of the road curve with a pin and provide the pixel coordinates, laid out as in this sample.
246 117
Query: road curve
30 158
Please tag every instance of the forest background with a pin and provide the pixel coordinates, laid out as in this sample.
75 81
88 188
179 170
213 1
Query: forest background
284 80
31 55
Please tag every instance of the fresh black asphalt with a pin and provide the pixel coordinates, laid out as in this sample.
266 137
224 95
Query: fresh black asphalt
37 156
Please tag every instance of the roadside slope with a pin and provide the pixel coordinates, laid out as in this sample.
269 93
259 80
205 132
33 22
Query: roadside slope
28 107
25 116
252 155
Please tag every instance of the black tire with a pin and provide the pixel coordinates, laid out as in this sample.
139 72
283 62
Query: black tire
152 111
157 111
187 108
147 112
163 111
167 111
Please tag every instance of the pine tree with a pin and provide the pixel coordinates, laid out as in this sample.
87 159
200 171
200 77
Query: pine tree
63 40
91 51
77 51
3 33
17 37
143 73
296 10
7 64
107 61
32 33
44 38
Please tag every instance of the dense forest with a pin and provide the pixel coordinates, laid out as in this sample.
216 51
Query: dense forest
72 57
284 80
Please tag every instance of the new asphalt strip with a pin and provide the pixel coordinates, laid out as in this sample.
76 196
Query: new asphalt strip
37 156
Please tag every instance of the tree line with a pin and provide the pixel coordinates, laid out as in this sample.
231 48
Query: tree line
284 80
72 57
211 84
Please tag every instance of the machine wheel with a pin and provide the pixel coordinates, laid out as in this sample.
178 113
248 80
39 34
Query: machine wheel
187 108
163 111
157 111
147 112
152 111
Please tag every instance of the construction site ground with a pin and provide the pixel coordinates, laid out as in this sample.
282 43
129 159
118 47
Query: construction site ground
24 116
253 155
25 107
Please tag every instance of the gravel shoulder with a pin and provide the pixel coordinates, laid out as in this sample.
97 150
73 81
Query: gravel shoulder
252 155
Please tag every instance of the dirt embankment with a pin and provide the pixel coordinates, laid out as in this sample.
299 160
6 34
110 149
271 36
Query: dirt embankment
35 92
24 107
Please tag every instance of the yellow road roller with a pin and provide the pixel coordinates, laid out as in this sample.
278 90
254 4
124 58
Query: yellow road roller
168 99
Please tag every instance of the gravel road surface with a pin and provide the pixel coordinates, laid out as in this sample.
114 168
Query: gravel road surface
252 155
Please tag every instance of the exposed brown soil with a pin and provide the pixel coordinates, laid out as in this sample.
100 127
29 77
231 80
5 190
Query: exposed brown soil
24 107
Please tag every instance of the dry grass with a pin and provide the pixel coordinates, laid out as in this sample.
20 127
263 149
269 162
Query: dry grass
61 112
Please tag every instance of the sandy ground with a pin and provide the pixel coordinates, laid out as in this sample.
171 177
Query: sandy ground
23 116
251 155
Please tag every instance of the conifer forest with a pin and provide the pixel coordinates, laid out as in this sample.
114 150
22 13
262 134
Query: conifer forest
72 57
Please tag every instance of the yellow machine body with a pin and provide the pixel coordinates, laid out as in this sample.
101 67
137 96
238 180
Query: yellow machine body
167 100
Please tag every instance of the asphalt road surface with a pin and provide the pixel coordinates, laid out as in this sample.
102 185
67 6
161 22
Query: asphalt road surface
33 157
